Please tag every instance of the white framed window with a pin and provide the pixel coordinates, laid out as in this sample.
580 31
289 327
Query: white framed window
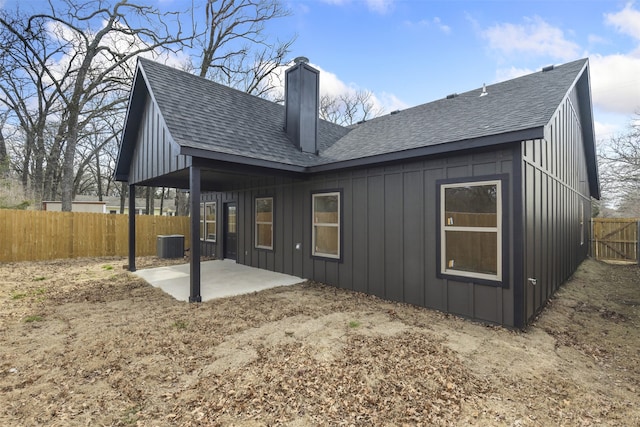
471 229
325 235
208 221
264 223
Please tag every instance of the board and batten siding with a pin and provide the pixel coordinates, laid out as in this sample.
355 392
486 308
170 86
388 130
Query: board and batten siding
155 155
389 228
555 191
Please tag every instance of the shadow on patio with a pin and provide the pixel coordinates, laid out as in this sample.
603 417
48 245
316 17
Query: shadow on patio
219 279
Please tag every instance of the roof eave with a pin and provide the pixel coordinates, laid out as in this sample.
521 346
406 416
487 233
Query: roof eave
583 87
465 144
242 160
119 177
140 91
135 103
586 111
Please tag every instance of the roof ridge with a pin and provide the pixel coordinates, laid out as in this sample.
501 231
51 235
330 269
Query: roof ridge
461 95
225 87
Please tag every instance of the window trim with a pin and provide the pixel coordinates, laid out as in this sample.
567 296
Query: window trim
204 222
255 222
338 225
502 207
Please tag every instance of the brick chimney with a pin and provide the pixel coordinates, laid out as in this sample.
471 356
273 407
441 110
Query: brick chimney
301 100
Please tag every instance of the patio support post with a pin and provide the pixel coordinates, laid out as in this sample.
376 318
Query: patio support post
194 276
132 227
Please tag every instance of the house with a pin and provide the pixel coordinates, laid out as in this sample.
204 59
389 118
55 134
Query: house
476 204
168 208
76 206
110 205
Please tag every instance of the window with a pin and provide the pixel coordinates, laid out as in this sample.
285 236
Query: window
471 229
264 223
208 221
325 235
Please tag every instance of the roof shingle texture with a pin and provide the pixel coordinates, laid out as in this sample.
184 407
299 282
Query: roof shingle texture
206 115
209 116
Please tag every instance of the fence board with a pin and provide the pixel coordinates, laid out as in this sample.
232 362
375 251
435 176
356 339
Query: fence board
615 239
44 235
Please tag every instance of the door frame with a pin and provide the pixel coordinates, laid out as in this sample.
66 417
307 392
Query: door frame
225 229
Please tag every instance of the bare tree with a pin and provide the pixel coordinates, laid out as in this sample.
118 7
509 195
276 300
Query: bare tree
97 149
98 40
124 191
28 92
349 108
619 161
182 203
234 48
4 157
67 67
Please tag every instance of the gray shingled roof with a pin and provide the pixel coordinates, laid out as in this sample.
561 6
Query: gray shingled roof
206 115
519 104
210 120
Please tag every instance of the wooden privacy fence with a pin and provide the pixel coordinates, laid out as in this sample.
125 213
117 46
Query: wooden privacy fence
615 239
43 235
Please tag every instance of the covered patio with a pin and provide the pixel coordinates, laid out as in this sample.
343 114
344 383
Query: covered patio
165 144
219 279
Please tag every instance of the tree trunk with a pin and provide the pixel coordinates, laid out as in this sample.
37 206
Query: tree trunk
73 125
37 180
152 200
182 203
52 170
4 158
68 175
161 201
55 186
123 195
77 182
98 176
24 177
107 191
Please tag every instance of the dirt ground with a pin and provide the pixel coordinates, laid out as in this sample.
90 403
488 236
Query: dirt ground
83 342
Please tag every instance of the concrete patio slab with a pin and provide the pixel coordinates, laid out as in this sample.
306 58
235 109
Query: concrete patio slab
219 279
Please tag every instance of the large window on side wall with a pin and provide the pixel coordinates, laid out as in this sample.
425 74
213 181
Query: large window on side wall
325 235
208 221
471 229
264 223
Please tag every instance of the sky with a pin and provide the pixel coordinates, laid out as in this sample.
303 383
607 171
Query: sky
409 52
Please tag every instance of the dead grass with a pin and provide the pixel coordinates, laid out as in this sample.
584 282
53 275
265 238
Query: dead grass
108 349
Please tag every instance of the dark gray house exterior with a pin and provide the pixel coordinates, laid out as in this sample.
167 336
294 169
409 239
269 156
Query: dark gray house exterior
476 204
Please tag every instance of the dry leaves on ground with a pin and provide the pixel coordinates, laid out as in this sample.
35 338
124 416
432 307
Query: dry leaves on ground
86 343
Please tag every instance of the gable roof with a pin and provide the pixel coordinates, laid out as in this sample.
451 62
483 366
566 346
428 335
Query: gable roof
204 115
209 120
515 105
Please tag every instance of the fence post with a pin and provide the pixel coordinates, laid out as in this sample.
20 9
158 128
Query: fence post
591 254
595 241
638 242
